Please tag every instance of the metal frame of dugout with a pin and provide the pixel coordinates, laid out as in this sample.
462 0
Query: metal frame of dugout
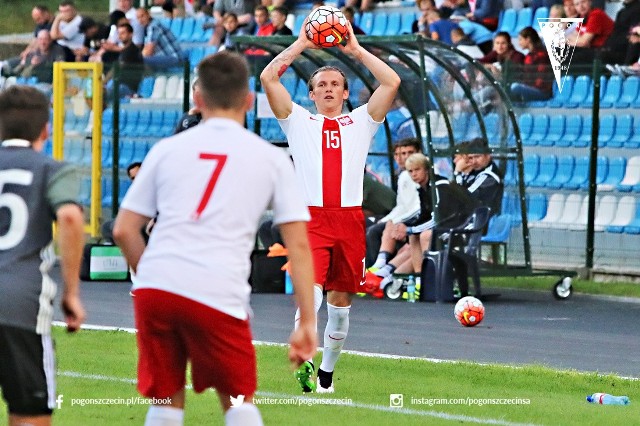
450 96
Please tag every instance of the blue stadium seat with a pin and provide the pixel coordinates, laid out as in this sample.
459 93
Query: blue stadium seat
498 230
107 191
166 22
511 207
156 123
195 55
629 93
123 187
140 150
508 21
634 226
531 167
525 15
145 88
548 167
580 174
366 22
580 91
606 130
540 128
617 168
556 131
473 128
188 26
393 24
460 124
623 131
127 147
584 139
73 150
106 152
572 131
510 175
536 207
560 97
564 172
525 122
128 128
144 118
588 102
603 169
176 26
107 121
298 22
198 31
170 122
379 24
613 92
540 13
406 22
634 141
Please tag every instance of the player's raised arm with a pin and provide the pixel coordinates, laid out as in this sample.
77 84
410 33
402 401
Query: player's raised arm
278 96
383 96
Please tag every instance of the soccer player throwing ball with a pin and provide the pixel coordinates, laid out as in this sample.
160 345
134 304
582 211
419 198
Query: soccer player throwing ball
329 150
192 295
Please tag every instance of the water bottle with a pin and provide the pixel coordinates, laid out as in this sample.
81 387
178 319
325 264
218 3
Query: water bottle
606 399
411 290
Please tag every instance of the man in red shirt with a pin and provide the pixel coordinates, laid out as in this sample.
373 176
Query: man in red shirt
594 32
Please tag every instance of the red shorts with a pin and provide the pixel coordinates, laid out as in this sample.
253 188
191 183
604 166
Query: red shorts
173 329
337 238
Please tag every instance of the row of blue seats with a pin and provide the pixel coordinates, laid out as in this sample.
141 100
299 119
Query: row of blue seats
189 29
513 21
79 152
152 122
537 204
615 92
106 189
568 172
574 130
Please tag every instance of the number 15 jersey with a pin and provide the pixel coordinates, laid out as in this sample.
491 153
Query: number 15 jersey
330 154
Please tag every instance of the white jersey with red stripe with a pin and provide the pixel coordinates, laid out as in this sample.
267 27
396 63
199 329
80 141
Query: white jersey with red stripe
209 186
330 154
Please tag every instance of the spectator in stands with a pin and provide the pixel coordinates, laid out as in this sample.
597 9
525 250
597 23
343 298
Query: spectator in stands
278 18
439 28
161 49
116 18
463 43
503 53
42 19
230 24
263 26
488 187
616 47
38 62
243 10
350 14
130 13
479 34
536 80
65 29
131 65
454 9
486 12
421 25
94 35
593 33
632 56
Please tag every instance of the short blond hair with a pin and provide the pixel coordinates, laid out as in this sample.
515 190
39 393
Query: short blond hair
418 159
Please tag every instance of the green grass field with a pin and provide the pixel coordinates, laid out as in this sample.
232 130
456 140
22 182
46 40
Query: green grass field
102 364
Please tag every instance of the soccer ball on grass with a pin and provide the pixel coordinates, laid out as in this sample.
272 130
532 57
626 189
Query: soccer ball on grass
469 311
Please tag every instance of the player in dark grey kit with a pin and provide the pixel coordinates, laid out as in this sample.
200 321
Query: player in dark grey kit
34 190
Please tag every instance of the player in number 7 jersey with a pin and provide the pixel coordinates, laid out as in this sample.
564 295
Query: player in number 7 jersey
329 150
210 185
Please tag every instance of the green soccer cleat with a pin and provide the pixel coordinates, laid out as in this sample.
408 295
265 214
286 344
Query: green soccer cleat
304 376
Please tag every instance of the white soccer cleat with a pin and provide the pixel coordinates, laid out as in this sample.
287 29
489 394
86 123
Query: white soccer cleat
320 389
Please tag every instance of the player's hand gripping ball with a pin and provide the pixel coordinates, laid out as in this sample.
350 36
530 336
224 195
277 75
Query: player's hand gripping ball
469 311
326 26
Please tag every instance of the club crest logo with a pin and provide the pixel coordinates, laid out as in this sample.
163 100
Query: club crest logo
345 121
554 33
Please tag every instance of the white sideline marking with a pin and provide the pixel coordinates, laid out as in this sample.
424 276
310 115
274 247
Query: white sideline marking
351 352
373 407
